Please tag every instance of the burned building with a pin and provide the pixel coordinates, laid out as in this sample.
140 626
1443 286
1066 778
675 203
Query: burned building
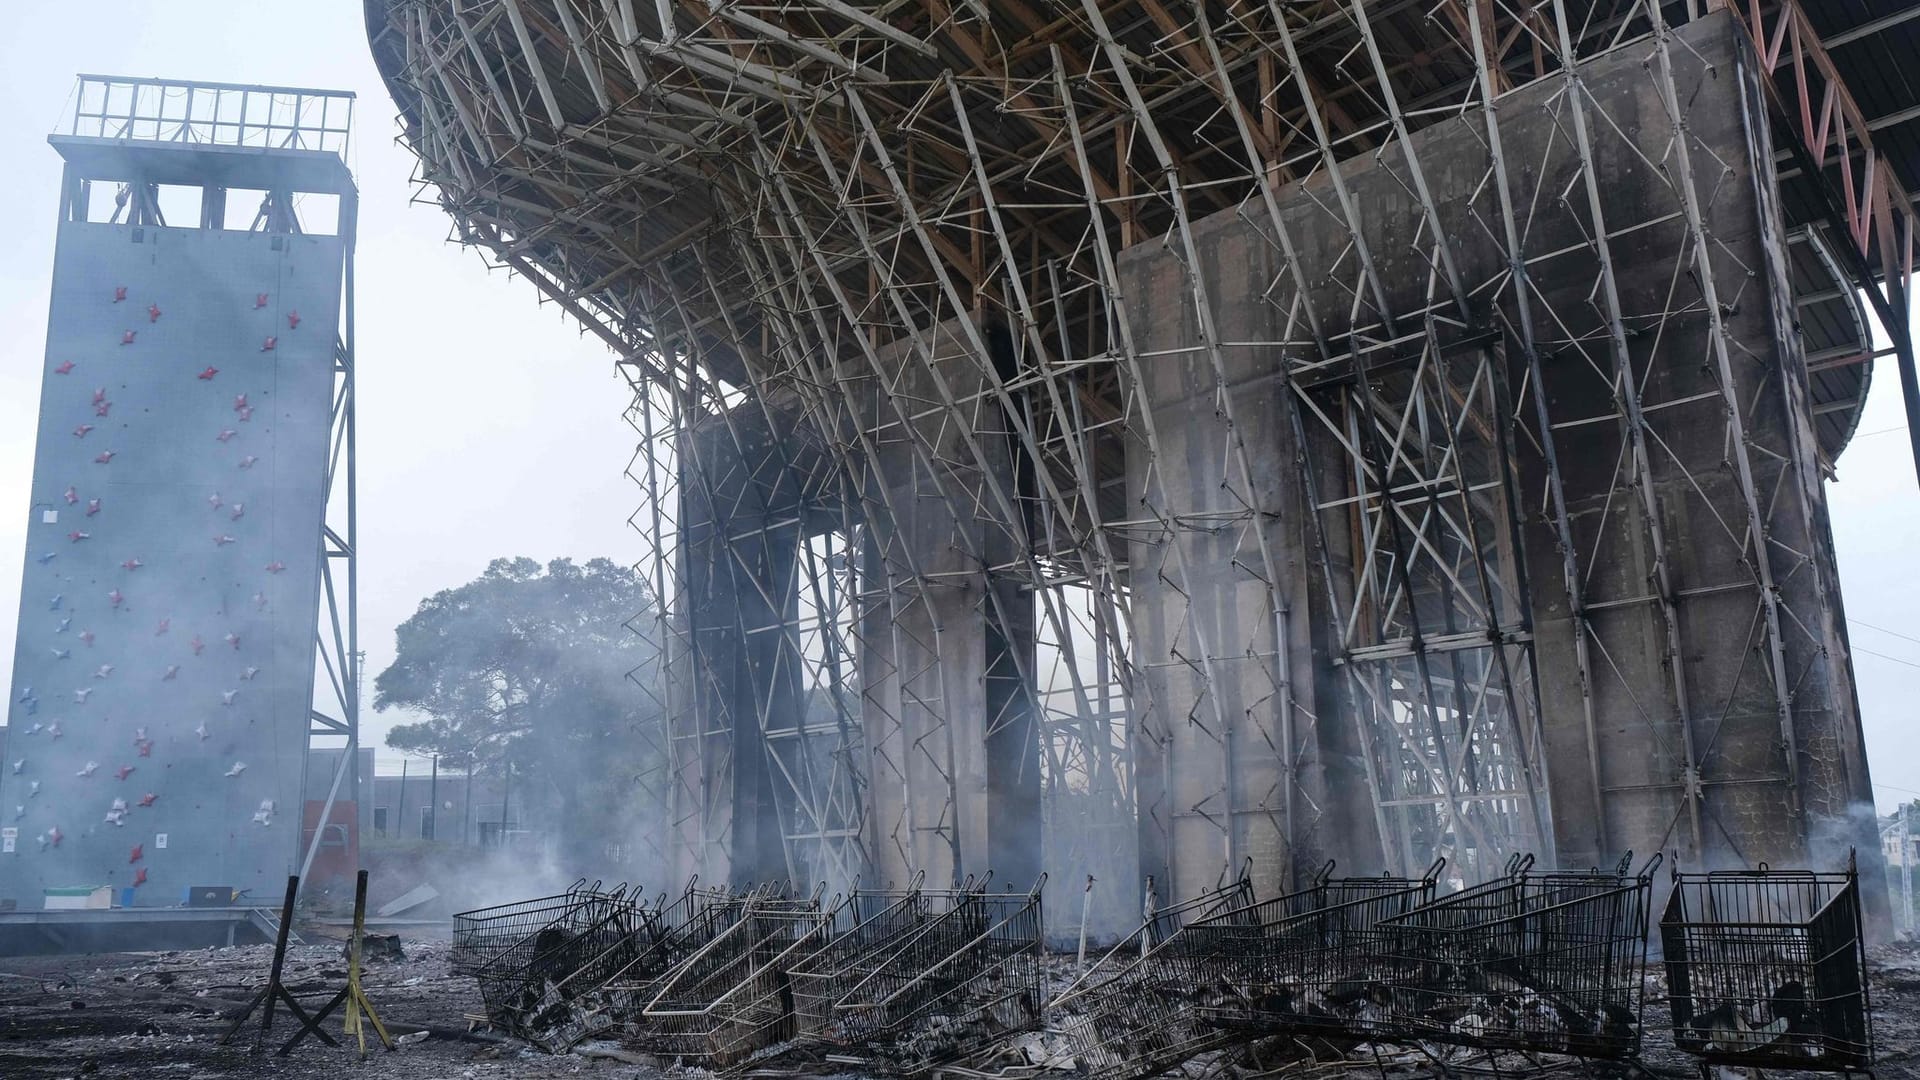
1132 438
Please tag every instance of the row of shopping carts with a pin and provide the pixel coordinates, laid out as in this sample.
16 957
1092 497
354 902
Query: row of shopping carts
1530 970
899 979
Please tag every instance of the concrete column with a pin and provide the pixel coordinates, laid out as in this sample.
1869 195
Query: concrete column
740 526
1227 728
946 642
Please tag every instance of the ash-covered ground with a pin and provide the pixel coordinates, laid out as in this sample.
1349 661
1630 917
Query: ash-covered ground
160 1015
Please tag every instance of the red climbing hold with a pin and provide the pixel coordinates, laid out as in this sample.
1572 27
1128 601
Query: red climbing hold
72 496
136 855
222 540
104 457
246 413
81 431
267 345
140 876
147 799
123 772
119 293
239 402
99 394
86 638
209 373
100 408
54 836
127 338
63 367
233 639
76 536
145 747
196 644
93 507
225 434
153 312
259 301
276 566
116 598
293 320
247 462
132 564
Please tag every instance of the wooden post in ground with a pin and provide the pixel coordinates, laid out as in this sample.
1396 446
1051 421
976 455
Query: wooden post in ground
351 995
275 991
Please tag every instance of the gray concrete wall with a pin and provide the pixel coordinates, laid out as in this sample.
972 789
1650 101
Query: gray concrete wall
1641 723
163 424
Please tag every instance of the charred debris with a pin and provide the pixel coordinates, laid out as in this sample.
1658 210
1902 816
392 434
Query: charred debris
1532 971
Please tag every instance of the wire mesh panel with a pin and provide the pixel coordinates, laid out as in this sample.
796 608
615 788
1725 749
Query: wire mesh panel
1132 1014
734 997
1301 962
955 987
1548 963
1768 968
482 933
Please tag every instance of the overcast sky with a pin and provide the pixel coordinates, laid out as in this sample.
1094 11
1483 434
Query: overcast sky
489 427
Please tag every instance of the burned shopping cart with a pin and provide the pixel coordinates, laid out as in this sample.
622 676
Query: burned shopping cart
733 998
1132 1015
520 983
881 920
955 987
483 933
1540 963
686 927
581 1003
1301 963
1767 968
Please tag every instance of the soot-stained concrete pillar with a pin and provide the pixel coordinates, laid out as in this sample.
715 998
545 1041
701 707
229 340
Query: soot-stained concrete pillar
946 642
1241 750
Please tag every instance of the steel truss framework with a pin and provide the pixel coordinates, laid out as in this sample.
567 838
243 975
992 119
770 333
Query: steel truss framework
962 441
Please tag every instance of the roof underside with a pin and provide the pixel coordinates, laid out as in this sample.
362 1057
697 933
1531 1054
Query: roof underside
622 162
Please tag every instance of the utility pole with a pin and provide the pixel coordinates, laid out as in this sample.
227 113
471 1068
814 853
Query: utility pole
1906 866
466 803
506 799
432 831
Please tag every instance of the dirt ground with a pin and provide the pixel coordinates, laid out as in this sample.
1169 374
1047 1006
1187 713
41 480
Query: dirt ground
160 1015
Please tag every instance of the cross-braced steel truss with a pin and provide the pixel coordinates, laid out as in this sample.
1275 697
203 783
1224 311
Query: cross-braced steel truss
1210 429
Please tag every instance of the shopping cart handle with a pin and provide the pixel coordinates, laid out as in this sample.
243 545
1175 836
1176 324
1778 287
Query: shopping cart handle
1433 872
1653 864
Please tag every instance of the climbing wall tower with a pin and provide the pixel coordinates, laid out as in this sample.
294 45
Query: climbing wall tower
196 406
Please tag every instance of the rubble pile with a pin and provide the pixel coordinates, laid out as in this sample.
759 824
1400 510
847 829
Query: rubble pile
1529 971
897 979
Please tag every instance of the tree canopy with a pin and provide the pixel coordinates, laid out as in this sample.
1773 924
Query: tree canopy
527 665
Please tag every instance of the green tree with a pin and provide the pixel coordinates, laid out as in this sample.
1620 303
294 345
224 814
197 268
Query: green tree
528 665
